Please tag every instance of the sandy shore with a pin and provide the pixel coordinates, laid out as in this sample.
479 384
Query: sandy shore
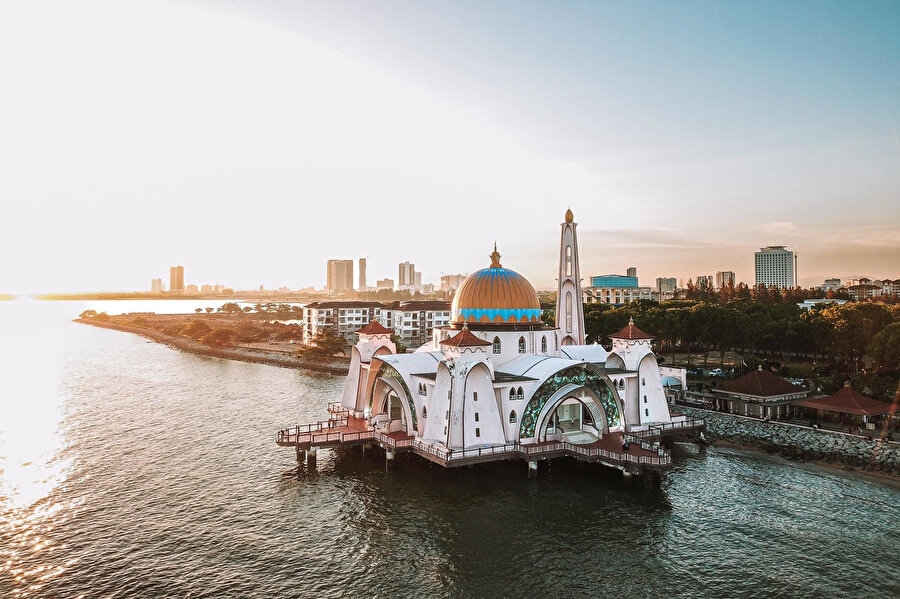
244 354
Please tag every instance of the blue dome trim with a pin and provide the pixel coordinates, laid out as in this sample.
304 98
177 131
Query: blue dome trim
505 313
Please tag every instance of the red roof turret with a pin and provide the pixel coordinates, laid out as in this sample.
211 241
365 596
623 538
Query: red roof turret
631 332
375 328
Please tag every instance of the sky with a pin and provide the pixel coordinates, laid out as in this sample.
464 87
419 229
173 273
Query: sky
252 140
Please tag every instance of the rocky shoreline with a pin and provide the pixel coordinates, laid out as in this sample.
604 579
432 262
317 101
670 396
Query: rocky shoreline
801 443
243 354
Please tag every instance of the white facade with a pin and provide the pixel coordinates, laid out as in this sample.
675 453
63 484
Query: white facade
776 266
569 307
508 380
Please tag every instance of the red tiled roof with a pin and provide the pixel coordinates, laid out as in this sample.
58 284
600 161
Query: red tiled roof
464 339
375 328
848 401
630 332
760 383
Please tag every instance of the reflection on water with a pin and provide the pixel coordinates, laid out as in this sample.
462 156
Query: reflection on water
133 470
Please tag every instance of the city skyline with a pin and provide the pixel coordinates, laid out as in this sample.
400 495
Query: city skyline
684 138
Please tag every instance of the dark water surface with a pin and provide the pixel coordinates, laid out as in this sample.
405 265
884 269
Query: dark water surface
128 469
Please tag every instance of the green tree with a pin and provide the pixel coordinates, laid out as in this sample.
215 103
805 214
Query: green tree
323 346
884 349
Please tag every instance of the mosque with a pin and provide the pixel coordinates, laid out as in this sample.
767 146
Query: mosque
498 383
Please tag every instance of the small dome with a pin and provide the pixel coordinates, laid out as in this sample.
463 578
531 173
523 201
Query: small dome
496 295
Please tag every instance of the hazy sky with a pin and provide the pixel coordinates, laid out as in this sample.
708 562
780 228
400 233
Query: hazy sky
251 140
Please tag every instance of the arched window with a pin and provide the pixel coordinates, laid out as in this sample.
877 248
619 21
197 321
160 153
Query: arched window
424 412
424 389
568 260
521 345
521 394
568 311
512 393
496 345
512 416
621 383
544 344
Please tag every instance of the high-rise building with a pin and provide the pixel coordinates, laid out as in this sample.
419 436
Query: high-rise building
705 281
362 274
631 271
407 275
666 284
339 276
156 286
176 279
451 282
724 278
384 284
776 266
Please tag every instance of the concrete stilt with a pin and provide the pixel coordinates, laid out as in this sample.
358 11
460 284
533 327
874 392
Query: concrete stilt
532 468
389 455
627 478
311 457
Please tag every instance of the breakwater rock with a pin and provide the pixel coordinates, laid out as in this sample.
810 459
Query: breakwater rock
800 442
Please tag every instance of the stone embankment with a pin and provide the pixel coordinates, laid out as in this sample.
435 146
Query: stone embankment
800 442
243 354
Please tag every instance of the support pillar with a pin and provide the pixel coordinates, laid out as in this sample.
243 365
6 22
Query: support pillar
311 457
627 478
532 468
389 455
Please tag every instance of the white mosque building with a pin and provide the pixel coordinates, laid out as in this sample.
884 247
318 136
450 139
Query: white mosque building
498 377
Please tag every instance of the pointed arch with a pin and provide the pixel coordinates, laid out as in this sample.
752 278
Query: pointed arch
496 345
520 394
544 344
522 345
512 417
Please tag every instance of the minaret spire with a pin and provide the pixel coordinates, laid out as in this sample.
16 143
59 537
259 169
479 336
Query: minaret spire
569 307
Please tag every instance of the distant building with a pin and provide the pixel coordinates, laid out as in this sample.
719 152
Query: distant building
724 278
451 282
384 284
666 285
218 288
192 290
362 274
631 271
831 285
205 289
156 286
705 281
341 319
339 276
776 266
413 321
615 290
809 303
407 275
176 279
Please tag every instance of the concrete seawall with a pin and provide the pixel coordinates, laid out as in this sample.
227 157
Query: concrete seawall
800 442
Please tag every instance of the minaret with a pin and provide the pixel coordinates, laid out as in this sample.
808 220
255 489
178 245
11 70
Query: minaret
569 308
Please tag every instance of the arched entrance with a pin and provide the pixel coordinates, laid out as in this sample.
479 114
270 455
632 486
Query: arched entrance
390 408
574 414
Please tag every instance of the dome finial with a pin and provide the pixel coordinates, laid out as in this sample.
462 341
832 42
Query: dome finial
631 321
495 257
569 216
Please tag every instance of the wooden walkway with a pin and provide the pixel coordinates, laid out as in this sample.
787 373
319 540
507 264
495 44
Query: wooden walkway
342 430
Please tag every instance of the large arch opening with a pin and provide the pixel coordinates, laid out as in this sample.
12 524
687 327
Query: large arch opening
390 408
576 416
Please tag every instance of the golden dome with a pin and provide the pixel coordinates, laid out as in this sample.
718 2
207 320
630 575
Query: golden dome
496 295
569 216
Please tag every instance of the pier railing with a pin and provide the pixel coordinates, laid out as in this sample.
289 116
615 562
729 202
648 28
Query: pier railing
318 434
656 430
